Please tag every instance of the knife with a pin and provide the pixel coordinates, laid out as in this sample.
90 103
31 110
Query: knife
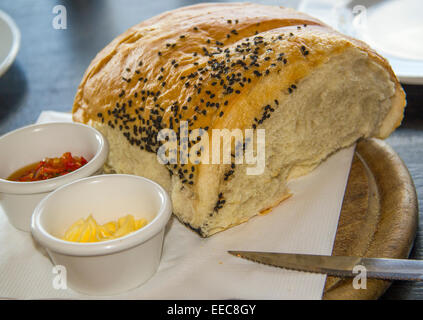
341 266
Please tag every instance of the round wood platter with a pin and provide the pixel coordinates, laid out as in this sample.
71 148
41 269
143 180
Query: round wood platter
378 217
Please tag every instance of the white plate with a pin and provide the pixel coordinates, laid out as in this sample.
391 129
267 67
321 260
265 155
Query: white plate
10 42
394 28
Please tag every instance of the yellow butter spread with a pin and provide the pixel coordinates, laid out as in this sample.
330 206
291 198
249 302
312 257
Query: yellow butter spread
88 230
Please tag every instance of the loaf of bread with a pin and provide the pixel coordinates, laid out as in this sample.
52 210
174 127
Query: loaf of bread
235 66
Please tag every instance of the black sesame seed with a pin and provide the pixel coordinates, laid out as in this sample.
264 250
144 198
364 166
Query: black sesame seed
257 73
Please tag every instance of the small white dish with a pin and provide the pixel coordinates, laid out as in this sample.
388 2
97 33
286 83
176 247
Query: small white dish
33 143
10 42
113 266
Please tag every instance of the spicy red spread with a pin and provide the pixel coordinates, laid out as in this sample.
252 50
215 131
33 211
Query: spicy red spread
48 168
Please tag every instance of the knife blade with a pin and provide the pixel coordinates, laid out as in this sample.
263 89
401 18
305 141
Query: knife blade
341 266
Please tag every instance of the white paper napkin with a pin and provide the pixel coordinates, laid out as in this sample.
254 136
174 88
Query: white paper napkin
197 268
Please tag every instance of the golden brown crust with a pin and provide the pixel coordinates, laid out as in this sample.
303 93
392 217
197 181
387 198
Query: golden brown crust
195 63
144 41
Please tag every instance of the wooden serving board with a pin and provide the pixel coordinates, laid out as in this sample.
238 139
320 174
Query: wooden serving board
378 217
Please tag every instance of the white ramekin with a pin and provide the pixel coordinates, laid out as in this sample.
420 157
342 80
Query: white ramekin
33 143
10 42
113 266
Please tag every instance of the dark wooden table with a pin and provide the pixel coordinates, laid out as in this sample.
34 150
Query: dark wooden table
51 62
